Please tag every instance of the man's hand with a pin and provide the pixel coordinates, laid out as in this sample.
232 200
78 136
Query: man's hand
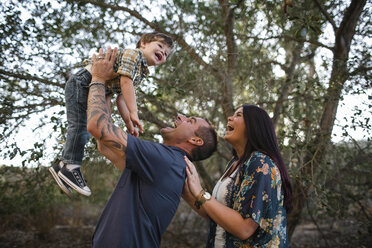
111 140
103 65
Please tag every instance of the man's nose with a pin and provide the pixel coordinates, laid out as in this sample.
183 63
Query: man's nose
181 117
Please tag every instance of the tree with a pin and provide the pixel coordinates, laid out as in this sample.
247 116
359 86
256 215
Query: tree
317 146
227 53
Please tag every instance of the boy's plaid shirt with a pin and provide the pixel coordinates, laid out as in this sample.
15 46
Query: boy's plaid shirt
130 63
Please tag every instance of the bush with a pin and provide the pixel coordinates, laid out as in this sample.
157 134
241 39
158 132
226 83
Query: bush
29 200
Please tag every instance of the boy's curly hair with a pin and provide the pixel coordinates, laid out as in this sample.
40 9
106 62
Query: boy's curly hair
156 36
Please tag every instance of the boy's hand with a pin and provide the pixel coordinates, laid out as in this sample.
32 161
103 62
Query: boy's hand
130 127
124 113
136 122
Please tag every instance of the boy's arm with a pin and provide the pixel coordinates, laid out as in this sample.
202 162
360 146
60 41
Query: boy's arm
127 90
124 113
112 141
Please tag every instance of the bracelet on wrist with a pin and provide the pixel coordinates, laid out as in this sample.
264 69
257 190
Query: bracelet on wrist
96 83
202 197
199 196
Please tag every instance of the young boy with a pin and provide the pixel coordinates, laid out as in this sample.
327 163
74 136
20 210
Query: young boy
132 66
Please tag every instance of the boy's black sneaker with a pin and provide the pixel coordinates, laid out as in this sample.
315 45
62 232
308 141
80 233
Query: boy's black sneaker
74 179
54 169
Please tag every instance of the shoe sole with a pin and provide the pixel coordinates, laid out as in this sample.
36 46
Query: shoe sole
72 185
60 183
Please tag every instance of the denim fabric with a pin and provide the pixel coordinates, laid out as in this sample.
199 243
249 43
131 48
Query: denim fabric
76 95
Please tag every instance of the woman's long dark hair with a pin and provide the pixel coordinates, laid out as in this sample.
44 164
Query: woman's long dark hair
262 138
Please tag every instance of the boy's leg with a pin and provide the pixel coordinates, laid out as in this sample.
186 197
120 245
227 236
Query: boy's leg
54 169
76 93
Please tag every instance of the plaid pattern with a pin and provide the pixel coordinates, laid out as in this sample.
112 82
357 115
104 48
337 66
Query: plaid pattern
130 63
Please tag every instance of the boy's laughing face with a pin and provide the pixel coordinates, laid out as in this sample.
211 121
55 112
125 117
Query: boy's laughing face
155 52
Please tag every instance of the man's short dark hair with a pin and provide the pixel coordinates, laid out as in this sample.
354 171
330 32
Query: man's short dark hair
155 36
209 136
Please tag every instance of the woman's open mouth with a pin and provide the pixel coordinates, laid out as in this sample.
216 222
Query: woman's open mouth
229 128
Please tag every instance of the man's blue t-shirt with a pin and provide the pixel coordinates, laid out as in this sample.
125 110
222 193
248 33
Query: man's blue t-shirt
145 198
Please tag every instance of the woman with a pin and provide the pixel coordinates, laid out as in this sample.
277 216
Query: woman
250 202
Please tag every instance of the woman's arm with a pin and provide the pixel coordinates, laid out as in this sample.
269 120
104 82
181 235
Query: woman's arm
227 218
190 199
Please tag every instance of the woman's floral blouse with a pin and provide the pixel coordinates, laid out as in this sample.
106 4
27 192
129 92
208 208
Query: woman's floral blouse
257 194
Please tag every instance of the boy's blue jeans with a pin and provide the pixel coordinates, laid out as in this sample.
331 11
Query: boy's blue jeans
76 94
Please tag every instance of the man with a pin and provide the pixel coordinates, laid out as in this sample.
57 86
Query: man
148 192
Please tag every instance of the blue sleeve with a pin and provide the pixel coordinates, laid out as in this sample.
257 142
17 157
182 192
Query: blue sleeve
145 158
258 194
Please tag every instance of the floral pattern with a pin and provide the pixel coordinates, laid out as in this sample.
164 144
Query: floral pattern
257 194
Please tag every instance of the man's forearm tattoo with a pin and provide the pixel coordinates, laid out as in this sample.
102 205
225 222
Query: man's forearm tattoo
97 112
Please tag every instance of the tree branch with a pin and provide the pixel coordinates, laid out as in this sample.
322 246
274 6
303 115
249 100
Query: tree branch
301 40
284 67
360 69
227 89
179 39
287 83
326 15
346 31
27 76
147 115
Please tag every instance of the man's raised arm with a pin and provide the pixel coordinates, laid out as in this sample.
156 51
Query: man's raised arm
111 140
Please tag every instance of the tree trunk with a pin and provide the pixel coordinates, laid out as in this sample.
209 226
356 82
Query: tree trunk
317 148
227 80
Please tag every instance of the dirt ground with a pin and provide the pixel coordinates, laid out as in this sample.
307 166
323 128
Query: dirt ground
59 237
305 236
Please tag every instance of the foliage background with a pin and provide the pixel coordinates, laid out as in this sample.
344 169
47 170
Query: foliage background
296 59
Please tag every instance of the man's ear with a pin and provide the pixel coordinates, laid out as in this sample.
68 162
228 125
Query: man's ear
195 140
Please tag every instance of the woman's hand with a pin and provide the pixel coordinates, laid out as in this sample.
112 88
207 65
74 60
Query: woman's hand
192 182
186 194
103 65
